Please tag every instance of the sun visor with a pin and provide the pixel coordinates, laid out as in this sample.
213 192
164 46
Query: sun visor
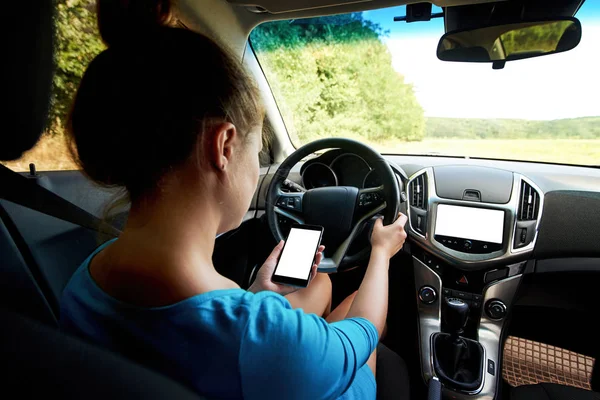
279 6
28 66
325 7
477 15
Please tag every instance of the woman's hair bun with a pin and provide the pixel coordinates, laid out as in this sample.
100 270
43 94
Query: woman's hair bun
121 20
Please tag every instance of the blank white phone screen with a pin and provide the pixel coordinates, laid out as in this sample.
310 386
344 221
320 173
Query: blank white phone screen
298 254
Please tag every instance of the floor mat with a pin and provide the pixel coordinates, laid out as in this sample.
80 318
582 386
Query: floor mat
527 362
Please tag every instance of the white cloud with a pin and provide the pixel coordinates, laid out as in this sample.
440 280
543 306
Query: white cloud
565 85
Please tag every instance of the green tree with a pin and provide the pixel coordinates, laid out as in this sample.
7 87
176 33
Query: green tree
341 28
333 76
477 128
535 38
77 43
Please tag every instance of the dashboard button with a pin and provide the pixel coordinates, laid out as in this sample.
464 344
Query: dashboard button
491 367
461 295
447 292
427 260
476 297
467 244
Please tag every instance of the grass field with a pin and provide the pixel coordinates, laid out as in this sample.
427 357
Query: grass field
567 151
52 154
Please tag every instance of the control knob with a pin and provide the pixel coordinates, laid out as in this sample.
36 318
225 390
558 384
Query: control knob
495 309
427 295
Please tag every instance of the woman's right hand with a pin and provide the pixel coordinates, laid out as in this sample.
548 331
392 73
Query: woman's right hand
389 239
371 301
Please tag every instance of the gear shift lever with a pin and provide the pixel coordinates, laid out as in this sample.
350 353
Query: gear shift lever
457 360
455 315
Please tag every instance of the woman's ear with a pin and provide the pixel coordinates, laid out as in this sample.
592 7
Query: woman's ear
221 147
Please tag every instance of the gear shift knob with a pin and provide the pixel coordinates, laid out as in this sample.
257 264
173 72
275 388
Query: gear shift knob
455 312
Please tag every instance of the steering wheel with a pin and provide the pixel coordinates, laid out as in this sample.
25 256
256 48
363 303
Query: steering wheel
341 210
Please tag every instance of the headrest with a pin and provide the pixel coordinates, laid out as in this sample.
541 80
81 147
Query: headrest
28 35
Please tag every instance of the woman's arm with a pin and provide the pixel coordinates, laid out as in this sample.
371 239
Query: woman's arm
371 301
286 353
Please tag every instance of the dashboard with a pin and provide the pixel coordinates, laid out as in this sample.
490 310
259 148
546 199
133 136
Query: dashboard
337 168
470 216
473 213
476 228
474 217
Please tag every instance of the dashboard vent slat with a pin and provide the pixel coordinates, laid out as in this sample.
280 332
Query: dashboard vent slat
529 203
418 192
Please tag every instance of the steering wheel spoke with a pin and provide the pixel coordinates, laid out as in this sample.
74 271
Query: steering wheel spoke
331 264
289 205
369 199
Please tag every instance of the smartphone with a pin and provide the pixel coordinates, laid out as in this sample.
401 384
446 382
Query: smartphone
298 255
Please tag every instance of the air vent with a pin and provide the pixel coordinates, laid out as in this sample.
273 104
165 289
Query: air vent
529 203
418 192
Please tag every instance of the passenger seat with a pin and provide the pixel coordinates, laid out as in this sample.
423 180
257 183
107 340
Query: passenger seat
40 253
40 362
19 289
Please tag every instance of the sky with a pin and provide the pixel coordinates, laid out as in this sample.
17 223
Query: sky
565 85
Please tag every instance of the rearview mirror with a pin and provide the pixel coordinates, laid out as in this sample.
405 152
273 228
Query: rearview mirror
508 42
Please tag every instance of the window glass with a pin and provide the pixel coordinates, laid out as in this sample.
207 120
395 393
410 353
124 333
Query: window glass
364 76
77 43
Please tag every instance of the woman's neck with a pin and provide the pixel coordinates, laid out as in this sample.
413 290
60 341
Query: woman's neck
186 225
164 254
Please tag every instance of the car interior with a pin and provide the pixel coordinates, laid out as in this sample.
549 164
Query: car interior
455 297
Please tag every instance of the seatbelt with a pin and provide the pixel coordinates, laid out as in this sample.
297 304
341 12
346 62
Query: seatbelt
17 189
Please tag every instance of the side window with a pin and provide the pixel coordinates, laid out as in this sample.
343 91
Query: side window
77 42
266 154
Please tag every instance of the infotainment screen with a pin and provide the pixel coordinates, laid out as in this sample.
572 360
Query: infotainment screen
469 229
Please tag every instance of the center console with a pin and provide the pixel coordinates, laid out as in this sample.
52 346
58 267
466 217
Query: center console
474 229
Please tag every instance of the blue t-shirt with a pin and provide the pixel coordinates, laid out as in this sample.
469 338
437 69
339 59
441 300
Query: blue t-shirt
229 343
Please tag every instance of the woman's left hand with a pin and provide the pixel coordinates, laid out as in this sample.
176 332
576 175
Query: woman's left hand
263 277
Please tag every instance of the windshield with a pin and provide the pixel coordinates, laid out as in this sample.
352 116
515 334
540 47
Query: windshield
364 76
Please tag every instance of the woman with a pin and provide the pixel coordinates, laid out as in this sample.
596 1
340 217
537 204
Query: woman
175 120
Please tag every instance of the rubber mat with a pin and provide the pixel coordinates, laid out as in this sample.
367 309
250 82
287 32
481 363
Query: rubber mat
527 362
